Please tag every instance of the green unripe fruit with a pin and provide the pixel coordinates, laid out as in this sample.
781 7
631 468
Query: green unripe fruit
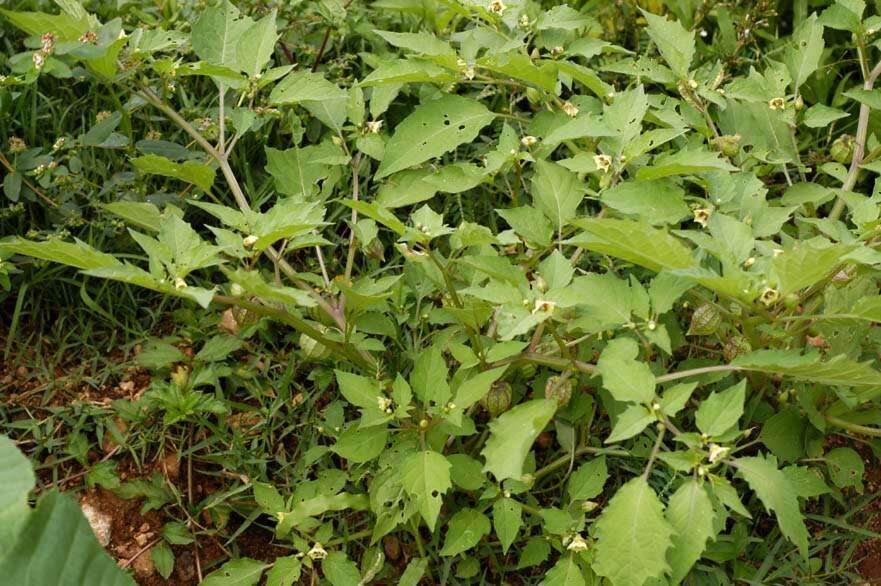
558 389
842 149
498 399
705 320
528 370
735 346
728 145
790 301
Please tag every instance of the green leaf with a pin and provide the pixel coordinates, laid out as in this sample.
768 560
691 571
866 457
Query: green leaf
163 559
426 477
16 481
414 572
657 202
325 100
684 162
626 378
76 254
846 468
632 536
566 572
837 371
423 43
359 445
465 529
512 435
142 214
634 241
237 572
588 480
216 34
198 174
340 570
690 513
783 433
821 116
318 505
429 377
432 129
775 492
630 423
803 55
806 264
530 224
720 411
358 390
65 26
285 571
56 546
507 520
556 192
256 45
674 42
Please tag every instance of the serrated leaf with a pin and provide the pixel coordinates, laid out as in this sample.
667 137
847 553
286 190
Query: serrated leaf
432 129
340 570
285 571
720 411
76 254
566 572
626 378
426 477
465 529
507 520
512 435
657 202
631 422
556 192
775 492
690 513
216 33
803 55
588 480
632 536
634 241
193 172
674 42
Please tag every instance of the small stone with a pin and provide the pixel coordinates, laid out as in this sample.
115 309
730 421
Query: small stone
100 523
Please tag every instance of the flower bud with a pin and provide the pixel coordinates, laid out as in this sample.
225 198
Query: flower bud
842 149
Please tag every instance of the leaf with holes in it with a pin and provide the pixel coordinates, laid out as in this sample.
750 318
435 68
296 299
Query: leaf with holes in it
426 477
434 128
237 572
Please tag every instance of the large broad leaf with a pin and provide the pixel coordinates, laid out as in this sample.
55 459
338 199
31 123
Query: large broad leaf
216 34
690 513
464 531
838 371
674 42
625 377
633 536
237 572
775 492
198 174
256 45
566 572
803 56
806 264
323 99
720 411
634 241
512 435
434 128
16 481
76 254
426 477
56 546
556 192
684 162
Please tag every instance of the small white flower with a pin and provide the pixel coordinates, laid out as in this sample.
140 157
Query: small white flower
603 162
578 544
374 126
717 452
702 216
692 84
570 109
749 262
524 21
543 306
777 252
777 103
497 6
528 141
249 241
39 59
384 403
180 284
317 552
769 296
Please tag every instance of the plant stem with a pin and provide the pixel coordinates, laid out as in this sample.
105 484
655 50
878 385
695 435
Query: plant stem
853 427
859 146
